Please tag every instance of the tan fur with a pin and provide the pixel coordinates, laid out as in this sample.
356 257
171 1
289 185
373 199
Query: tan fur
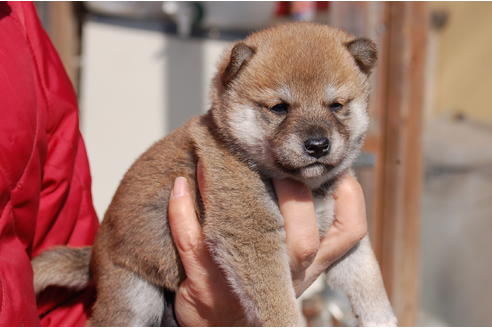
242 144
62 266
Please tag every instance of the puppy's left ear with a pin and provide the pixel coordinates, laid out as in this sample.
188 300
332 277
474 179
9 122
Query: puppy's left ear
364 52
240 55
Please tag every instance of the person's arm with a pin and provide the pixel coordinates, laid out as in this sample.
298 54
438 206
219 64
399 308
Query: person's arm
66 215
205 299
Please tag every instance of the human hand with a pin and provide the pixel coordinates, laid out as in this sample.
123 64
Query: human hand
309 256
205 298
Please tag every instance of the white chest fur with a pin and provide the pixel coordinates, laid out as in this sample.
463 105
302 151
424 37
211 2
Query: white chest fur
325 208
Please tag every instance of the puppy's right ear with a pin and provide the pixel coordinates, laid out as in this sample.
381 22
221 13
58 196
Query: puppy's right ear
240 55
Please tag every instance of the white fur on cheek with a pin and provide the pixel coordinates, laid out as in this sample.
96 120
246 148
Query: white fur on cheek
245 127
359 120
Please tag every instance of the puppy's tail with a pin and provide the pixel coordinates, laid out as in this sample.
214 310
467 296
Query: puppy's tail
62 266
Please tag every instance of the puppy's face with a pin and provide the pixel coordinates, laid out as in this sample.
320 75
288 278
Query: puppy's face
294 99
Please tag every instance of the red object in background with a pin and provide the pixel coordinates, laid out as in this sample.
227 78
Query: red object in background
282 9
322 6
45 197
293 8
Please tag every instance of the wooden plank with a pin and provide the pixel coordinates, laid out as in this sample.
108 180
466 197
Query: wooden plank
399 199
63 31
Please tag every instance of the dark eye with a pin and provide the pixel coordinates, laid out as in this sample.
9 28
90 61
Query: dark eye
335 107
281 108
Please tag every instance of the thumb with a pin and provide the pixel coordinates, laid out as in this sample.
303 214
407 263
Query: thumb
187 232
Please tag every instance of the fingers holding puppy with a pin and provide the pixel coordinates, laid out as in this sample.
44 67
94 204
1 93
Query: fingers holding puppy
186 230
310 256
349 224
302 236
204 297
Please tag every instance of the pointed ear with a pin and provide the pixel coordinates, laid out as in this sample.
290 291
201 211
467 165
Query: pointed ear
240 55
364 52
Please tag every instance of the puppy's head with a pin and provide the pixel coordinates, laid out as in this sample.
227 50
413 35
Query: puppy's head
293 99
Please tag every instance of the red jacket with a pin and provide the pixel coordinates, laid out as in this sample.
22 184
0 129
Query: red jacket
45 196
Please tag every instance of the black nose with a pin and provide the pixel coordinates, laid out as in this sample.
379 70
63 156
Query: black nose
317 147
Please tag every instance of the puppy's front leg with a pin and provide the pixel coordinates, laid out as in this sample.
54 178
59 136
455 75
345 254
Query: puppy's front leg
244 230
250 249
359 276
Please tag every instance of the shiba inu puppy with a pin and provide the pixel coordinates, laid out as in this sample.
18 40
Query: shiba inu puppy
287 102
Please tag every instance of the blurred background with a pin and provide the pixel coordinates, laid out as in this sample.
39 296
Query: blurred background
142 69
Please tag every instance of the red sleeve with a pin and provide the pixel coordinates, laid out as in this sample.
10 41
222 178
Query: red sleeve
66 215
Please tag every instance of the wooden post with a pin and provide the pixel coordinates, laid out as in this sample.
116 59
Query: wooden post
398 198
63 31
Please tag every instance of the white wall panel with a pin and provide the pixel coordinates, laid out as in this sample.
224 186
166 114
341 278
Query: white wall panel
138 84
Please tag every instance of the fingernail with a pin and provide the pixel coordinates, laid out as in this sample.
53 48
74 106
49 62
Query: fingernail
179 188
